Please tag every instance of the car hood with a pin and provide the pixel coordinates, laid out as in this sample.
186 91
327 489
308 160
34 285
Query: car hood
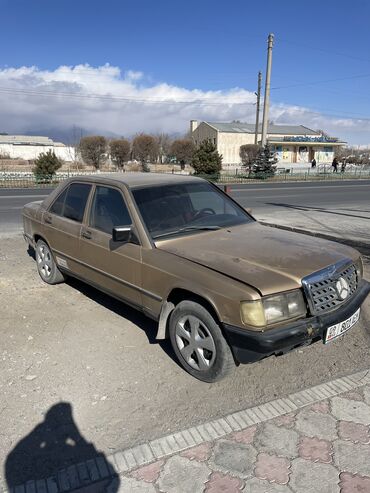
268 259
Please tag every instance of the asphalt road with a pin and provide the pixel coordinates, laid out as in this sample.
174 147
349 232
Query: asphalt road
262 197
350 198
12 201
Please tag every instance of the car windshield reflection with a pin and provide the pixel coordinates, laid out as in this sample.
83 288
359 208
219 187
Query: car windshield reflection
187 208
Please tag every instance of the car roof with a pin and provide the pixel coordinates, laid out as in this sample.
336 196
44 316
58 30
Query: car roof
136 180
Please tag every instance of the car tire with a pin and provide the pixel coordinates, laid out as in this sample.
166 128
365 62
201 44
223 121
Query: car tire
46 265
198 342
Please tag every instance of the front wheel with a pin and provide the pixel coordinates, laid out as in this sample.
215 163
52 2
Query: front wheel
46 265
198 342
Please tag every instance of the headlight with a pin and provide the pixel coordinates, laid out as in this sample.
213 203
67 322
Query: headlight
272 309
359 269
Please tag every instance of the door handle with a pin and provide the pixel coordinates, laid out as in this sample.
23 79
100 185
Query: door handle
48 219
86 234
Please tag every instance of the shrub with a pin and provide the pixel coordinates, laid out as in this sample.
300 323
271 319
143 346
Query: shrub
46 166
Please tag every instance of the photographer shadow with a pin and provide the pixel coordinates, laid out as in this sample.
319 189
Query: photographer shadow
57 455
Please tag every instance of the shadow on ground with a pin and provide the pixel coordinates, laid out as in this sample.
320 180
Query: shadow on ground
148 326
54 444
318 209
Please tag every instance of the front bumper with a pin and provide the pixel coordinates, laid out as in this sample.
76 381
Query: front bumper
249 346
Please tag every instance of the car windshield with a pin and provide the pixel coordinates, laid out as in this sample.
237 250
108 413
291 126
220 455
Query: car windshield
187 207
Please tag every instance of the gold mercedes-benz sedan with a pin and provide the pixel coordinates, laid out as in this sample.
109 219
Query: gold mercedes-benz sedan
224 289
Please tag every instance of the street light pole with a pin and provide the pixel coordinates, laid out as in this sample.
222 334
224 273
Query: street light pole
266 103
258 94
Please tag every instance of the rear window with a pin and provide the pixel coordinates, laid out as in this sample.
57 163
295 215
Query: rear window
72 202
57 207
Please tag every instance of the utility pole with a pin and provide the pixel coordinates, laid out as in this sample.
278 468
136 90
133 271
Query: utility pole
258 94
266 102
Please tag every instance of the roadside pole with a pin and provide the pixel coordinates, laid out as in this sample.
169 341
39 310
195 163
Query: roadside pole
258 94
266 102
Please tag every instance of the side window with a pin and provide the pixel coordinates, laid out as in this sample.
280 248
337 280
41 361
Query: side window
108 210
72 202
75 202
57 207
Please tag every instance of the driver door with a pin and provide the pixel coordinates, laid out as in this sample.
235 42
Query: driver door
114 267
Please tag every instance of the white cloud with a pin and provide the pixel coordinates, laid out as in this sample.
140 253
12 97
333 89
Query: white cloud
102 99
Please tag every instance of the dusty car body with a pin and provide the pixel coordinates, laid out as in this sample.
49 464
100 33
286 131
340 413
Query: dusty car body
224 288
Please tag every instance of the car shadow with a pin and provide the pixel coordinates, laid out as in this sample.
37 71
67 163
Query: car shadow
147 325
51 452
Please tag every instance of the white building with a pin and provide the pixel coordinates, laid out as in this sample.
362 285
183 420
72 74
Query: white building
291 143
30 147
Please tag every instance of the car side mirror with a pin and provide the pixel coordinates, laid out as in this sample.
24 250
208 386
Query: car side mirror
122 234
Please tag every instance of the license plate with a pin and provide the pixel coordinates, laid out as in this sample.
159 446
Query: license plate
339 329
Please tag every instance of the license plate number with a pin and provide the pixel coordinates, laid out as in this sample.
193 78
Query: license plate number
338 329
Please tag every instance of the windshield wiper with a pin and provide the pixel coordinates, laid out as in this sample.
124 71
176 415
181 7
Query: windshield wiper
187 228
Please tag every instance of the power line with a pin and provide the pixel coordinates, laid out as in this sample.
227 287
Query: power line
317 82
199 101
328 112
316 48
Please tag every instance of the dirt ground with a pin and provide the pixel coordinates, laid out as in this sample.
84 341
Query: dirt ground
69 343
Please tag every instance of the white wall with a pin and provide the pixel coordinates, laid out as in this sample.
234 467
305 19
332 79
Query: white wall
229 145
204 132
33 151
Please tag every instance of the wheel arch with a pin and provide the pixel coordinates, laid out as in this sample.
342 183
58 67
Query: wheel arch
37 237
175 296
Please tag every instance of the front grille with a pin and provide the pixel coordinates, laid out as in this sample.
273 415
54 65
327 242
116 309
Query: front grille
331 287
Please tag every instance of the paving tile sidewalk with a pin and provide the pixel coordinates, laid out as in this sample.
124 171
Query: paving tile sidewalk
321 448
317 442
314 441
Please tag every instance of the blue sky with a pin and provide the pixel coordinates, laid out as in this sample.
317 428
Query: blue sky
209 46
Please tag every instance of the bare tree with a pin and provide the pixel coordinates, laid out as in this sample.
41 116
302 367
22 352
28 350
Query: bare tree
322 132
72 148
93 149
182 150
119 151
164 145
145 149
248 153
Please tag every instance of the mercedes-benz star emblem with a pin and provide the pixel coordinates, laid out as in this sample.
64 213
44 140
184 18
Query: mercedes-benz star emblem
342 288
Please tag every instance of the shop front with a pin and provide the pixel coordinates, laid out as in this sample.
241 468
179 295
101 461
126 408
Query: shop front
303 150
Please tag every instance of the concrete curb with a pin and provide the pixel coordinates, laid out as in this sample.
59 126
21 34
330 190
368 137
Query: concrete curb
364 247
98 469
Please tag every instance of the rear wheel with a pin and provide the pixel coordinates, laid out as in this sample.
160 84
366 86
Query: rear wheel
198 342
46 265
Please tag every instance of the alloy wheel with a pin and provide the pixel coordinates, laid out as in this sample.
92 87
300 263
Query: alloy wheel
195 343
44 261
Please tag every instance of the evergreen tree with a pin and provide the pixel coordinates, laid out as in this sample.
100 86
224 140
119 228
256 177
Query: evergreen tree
206 159
264 164
46 165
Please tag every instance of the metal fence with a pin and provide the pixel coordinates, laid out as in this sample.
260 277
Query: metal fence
29 180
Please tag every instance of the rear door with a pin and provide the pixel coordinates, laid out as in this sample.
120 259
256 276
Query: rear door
63 223
112 266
